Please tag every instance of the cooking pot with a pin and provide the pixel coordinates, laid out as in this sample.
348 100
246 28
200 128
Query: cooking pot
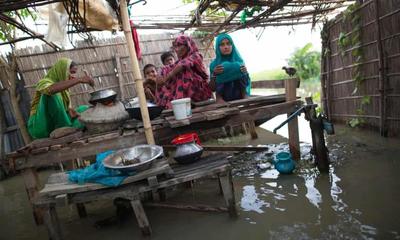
133 108
188 149
102 96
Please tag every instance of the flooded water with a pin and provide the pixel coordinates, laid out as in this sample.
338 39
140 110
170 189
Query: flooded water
358 199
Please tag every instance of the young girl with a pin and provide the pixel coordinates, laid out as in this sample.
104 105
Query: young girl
228 71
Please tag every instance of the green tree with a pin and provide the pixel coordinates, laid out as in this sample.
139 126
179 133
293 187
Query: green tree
8 31
307 63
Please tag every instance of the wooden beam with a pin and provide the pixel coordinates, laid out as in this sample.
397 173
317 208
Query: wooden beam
193 207
223 148
272 83
293 125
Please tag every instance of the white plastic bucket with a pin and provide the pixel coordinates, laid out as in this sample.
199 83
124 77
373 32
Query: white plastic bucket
182 108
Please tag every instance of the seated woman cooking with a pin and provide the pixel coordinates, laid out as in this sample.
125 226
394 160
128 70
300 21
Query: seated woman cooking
51 106
229 77
186 78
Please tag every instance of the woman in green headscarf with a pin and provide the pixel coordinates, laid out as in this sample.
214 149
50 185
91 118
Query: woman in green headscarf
229 77
51 106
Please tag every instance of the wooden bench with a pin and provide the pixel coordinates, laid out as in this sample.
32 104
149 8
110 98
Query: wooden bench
59 192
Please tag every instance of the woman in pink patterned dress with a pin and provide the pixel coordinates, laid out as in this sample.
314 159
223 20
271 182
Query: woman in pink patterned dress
186 78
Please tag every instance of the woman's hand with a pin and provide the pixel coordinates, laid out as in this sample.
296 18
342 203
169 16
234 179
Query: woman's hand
87 79
218 70
243 69
72 113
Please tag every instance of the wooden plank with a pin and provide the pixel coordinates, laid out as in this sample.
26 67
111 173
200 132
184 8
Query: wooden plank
214 114
103 137
271 110
47 142
272 83
258 99
192 207
293 126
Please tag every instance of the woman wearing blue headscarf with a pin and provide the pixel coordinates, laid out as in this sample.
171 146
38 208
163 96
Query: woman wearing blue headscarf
228 71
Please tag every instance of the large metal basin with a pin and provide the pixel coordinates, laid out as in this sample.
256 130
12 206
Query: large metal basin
137 158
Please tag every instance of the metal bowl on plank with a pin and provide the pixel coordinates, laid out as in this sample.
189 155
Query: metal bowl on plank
102 96
137 158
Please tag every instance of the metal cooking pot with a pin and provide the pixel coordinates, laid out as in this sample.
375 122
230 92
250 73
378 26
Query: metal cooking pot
132 107
188 149
102 96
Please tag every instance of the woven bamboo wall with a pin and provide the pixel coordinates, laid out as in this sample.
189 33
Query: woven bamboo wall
380 45
100 60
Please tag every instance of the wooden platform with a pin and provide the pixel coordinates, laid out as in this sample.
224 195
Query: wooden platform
207 121
59 192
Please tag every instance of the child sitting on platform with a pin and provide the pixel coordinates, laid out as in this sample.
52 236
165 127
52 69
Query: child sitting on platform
150 85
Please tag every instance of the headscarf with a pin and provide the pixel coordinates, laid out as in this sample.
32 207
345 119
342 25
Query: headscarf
193 59
59 72
188 41
231 62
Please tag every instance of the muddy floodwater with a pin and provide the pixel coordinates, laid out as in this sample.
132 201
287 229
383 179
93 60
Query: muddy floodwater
358 199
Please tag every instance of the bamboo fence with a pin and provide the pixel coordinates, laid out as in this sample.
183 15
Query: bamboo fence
377 63
107 60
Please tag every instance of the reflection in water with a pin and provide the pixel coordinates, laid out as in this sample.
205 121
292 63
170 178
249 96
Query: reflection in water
312 194
250 200
335 191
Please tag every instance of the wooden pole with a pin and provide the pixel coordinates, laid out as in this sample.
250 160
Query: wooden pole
382 75
136 73
293 126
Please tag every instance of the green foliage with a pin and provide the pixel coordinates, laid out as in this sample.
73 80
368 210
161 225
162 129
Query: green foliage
355 122
211 11
272 74
316 97
366 100
307 63
7 31
249 12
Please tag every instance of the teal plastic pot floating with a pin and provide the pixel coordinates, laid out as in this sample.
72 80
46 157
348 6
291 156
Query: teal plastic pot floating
284 163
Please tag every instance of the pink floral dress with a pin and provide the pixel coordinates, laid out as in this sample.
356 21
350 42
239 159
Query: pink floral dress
191 82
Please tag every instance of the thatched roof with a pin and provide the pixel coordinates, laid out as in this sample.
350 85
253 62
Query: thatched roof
212 16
